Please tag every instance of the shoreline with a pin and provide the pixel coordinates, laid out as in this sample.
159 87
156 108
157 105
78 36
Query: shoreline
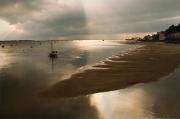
142 65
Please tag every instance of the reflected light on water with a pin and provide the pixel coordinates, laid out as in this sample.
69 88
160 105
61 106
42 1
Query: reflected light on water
5 60
122 105
93 44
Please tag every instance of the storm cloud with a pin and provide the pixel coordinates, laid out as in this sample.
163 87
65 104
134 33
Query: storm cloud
84 19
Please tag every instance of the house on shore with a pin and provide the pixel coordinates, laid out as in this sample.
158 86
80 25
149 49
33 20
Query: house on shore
161 36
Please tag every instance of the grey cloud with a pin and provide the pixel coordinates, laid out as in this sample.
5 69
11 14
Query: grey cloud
15 11
69 23
140 15
43 19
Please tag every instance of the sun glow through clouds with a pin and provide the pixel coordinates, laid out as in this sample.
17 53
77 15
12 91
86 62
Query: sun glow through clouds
83 19
16 29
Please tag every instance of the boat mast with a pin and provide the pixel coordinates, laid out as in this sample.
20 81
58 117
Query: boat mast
51 45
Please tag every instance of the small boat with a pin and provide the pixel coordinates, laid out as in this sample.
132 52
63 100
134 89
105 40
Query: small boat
53 53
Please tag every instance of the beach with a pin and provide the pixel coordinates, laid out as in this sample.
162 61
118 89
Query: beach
142 65
89 80
89 59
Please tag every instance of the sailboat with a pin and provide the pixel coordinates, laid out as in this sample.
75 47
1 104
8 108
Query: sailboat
53 53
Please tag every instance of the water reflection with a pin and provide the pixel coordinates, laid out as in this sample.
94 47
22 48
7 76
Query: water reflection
94 44
166 94
25 71
128 104
158 100
5 59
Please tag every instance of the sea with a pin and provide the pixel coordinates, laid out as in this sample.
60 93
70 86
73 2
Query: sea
26 70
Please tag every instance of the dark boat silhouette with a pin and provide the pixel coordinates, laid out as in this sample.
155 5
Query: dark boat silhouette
53 53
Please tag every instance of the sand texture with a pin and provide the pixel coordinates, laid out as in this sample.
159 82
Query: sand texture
143 65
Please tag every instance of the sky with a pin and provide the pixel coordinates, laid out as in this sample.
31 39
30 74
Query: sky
84 19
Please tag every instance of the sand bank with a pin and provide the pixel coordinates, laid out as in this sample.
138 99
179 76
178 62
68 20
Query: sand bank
143 65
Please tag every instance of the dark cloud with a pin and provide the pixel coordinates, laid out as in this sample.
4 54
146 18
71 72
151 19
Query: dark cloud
71 23
57 19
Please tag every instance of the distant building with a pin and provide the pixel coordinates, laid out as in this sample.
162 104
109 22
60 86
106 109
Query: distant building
176 35
148 38
162 36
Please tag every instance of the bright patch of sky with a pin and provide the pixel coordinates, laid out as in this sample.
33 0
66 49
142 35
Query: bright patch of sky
84 19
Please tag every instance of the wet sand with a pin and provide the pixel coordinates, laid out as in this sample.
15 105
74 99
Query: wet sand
143 65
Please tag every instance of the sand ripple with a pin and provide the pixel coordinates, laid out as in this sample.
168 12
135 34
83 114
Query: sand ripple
143 65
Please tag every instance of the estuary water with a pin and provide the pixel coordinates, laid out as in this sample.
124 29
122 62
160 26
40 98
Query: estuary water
26 70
